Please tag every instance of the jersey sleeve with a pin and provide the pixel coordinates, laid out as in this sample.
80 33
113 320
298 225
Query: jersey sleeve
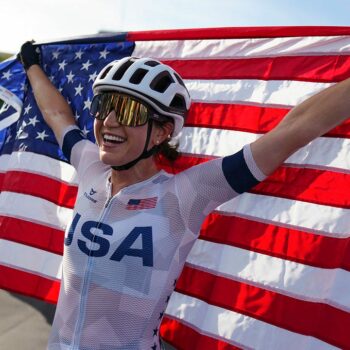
204 187
80 152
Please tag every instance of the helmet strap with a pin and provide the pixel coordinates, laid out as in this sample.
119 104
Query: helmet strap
145 153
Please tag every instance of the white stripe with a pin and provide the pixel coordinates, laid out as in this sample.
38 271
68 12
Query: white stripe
241 48
285 93
34 260
330 152
34 209
235 328
286 277
310 217
38 164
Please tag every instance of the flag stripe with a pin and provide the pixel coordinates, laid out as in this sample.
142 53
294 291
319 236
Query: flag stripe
257 119
20 256
238 32
38 164
192 336
29 284
323 152
240 264
283 311
36 235
326 69
39 186
309 217
34 209
304 247
271 92
230 325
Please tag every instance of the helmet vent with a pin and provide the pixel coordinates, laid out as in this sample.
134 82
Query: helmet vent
137 77
178 102
162 81
152 63
103 75
179 80
122 69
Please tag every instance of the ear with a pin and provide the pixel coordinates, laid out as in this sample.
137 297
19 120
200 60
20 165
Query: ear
162 132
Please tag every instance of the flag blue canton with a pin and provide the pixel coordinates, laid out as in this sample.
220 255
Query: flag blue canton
72 68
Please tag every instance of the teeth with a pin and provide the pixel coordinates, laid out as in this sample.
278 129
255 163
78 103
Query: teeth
113 138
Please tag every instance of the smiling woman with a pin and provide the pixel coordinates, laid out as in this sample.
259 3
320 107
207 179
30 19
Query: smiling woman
133 224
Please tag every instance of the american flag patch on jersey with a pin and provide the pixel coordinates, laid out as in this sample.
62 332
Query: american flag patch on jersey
145 203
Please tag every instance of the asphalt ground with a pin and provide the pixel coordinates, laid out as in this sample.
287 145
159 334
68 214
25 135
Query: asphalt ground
25 322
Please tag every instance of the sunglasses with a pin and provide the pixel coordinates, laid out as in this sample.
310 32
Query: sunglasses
128 110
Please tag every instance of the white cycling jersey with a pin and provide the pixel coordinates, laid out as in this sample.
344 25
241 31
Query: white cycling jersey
123 254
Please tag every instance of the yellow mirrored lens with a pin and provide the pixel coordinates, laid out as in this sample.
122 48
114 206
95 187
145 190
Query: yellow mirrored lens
129 112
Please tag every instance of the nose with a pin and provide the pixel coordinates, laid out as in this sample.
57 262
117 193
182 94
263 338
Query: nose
111 120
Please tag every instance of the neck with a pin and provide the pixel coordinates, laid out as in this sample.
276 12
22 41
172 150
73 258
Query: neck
141 171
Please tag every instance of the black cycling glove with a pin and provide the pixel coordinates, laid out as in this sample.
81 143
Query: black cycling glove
28 55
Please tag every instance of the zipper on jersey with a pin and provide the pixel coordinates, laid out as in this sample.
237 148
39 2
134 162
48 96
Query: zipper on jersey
86 280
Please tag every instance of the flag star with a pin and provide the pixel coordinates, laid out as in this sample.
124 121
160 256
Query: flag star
86 65
41 135
60 89
23 87
87 104
27 109
62 65
70 77
78 90
79 54
51 78
77 116
104 53
55 54
33 121
93 76
6 75
85 131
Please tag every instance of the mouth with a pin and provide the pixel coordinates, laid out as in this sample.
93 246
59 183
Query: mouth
109 139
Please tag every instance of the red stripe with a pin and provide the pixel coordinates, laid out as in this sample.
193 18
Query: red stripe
237 32
258 120
183 337
29 284
39 186
303 184
285 243
32 234
283 311
326 69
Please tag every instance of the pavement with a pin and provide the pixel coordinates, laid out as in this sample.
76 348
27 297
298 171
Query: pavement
25 322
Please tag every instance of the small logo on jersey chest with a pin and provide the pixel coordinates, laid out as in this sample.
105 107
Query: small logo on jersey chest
144 203
88 196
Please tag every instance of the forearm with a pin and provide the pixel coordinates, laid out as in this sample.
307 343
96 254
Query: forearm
307 121
320 113
54 108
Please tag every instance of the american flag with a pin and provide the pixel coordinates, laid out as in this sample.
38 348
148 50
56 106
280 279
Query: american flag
271 269
144 203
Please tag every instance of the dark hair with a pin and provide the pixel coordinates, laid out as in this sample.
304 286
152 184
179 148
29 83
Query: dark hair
167 150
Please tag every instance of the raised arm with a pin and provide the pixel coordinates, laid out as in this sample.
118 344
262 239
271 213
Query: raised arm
312 118
54 108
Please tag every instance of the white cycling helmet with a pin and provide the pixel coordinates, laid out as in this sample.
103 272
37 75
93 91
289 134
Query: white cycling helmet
151 81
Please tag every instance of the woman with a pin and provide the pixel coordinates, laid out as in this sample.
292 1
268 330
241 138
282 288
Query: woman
134 225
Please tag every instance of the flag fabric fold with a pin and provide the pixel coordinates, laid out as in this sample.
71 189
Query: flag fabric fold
271 268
